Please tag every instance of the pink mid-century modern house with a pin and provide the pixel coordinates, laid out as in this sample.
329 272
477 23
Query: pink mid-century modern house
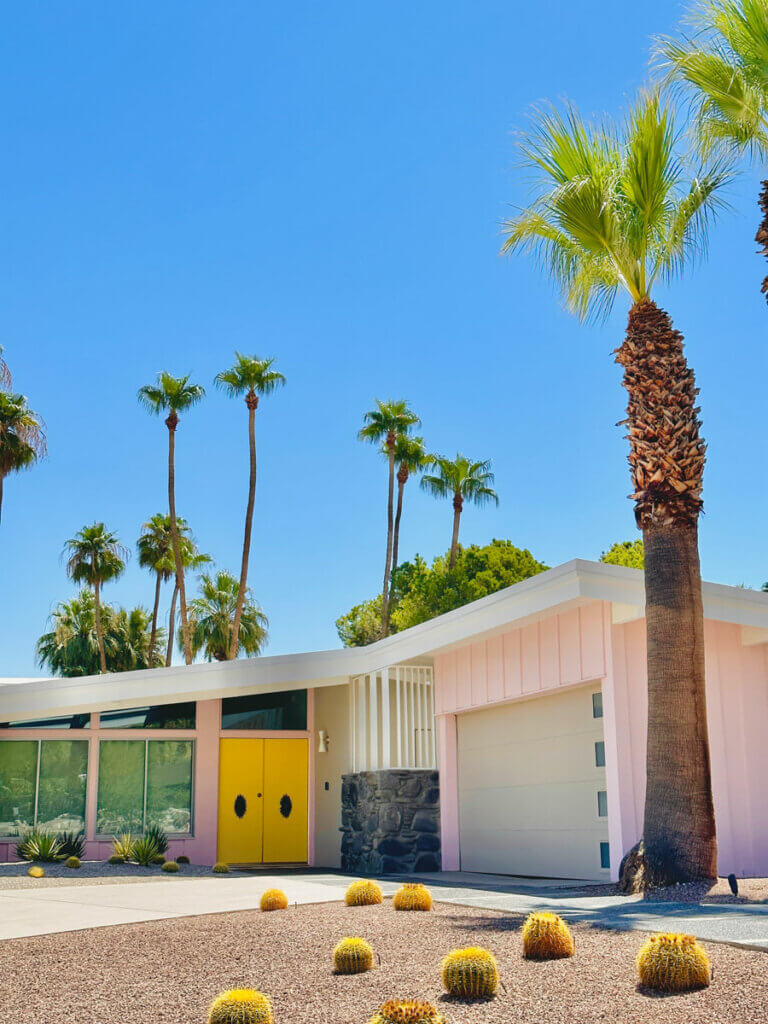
507 736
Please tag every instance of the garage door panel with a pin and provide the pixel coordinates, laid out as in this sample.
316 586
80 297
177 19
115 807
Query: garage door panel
557 717
534 852
573 758
562 805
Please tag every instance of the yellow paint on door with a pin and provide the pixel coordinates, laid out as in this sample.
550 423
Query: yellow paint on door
286 775
241 801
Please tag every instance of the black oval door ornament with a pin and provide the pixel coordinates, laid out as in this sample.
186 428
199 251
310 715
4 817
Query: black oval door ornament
285 805
240 805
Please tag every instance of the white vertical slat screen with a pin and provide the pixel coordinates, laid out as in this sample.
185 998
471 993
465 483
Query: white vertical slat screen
392 715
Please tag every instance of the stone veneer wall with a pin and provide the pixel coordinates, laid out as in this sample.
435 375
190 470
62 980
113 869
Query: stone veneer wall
390 821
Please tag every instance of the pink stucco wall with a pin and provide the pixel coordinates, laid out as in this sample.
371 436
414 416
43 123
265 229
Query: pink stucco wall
581 645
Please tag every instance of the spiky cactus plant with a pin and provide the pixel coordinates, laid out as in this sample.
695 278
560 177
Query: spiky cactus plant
220 868
673 963
72 862
547 937
35 871
470 973
407 1011
241 1006
353 956
170 867
274 899
412 896
183 859
363 893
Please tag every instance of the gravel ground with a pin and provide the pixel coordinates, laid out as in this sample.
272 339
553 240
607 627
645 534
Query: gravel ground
167 972
97 872
751 890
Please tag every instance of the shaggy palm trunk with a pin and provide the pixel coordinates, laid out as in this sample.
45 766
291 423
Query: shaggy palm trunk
667 463
458 503
402 479
171 627
390 529
153 633
252 401
172 422
762 232
99 630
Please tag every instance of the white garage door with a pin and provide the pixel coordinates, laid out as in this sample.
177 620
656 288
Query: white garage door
532 797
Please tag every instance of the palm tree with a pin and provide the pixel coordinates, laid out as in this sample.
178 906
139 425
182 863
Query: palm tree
212 616
723 68
174 395
462 481
613 212
383 425
6 381
155 548
192 560
95 556
410 458
252 377
22 437
134 644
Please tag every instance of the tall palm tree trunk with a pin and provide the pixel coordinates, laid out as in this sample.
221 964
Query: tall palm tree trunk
390 529
667 461
252 401
762 232
99 630
458 502
402 478
155 609
171 626
172 422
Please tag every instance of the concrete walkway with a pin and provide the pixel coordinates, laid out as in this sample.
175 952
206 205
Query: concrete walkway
70 908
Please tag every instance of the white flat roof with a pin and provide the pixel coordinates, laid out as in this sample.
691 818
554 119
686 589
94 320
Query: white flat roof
575 582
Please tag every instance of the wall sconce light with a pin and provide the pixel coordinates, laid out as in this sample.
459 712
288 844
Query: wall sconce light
322 747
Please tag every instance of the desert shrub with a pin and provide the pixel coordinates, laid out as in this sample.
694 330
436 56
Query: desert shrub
72 844
470 973
122 846
116 859
156 833
158 859
547 937
72 862
220 868
407 1011
170 866
183 859
39 846
145 851
363 893
273 899
240 1006
353 956
412 896
673 963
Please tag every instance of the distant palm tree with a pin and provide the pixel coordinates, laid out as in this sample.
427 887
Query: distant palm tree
383 425
252 377
155 547
174 395
22 437
95 556
723 67
6 381
410 458
212 617
462 481
192 560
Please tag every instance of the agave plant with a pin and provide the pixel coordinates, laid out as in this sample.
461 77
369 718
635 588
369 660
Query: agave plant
72 844
160 838
145 851
122 846
40 846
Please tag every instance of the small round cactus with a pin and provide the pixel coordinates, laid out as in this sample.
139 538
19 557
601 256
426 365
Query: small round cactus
274 899
72 862
36 871
353 956
470 973
363 893
547 937
241 1006
171 866
183 859
412 896
220 868
407 1011
116 859
673 963
158 859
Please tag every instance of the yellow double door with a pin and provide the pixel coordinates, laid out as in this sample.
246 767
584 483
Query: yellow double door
263 786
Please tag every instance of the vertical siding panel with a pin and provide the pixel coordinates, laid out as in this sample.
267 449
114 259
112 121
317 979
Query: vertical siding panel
716 711
570 647
550 653
496 669
463 677
529 642
513 679
592 641
479 674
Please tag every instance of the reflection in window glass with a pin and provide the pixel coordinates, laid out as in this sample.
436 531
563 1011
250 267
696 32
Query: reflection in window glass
121 787
602 803
265 711
18 771
65 722
605 855
161 716
61 793
169 785
600 754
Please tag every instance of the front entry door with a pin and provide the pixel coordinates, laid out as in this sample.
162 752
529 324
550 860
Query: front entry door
263 796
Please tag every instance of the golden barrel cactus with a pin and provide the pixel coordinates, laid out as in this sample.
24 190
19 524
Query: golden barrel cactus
412 896
220 868
407 1011
363 893
274 899
470 973
673 963
35 872
170 867
240 1006
353 956
547 937
72 862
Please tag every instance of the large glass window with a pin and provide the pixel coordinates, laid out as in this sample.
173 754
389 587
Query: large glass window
286 710
161 716
42 783
144 782
64 722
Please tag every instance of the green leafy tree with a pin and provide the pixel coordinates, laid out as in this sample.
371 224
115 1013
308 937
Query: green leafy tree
22 435
383 426
95 556
212 619
173 395
613 211
251 377
362 624
722 65
625 552
462 481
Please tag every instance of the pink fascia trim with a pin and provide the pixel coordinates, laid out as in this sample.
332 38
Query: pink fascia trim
449 791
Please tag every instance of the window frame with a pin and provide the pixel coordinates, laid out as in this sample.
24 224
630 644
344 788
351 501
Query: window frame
38 741
244 732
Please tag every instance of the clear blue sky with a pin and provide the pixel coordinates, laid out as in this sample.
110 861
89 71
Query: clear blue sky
324 183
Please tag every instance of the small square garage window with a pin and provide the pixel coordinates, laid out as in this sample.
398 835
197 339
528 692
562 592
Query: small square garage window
605 855
600 754
597 704
602 803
